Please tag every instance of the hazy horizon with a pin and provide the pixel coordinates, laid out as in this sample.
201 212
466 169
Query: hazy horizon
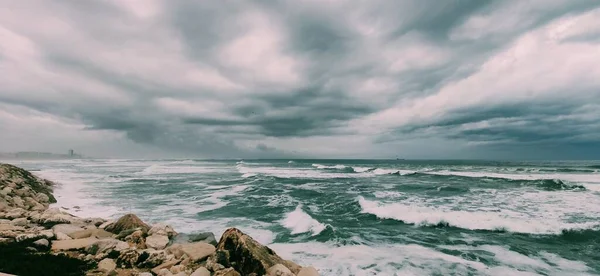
492 80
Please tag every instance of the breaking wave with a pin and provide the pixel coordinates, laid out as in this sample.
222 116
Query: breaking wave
299 222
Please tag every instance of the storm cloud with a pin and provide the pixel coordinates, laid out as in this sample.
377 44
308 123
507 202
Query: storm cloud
284 79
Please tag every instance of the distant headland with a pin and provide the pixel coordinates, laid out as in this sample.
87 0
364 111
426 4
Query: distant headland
71 154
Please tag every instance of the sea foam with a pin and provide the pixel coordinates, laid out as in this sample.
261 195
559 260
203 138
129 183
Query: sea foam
299 222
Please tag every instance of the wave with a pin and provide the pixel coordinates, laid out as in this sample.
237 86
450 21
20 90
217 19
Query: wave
471 220
594 167
299 222
344 168
557 185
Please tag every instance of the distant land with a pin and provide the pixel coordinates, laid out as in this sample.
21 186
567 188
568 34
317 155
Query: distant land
39 155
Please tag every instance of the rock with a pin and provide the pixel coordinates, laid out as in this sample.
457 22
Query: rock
5 241
145 274
176 269
66 245
106 246
42 198
163 230
165 265
15 213
96 233
6 191
201 271
52 217
198 251
207 237
129 221
19 222
66 229
18 202
175 250
212 265
31 249
105 224
128 258
16 177
5 221
164 272
34 236
41 243
244 254
279 270
94 221
157 241
180 274
136 239
151 258
62 236
308 271
107 265
227 272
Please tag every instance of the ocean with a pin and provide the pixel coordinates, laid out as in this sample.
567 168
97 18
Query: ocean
362 217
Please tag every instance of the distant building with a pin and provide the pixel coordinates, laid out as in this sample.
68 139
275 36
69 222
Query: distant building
71 152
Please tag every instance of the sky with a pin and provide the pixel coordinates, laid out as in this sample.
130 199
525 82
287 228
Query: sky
456 79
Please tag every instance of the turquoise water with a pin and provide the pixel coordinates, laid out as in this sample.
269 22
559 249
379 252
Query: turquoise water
363 217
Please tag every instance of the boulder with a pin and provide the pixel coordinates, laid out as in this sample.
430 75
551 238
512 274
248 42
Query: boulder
164 272
14 213
94 221
96 233
106 224
20 179
18 202
157 241
66 229
128 258
145 274
62 236
19 222
66 245
126 222
175 249
47 234
136 239
107 265
201 271
207 237
106 246
41 243
227 272
42 198
163 230
151 258
279 270
198 251
308 271
244 254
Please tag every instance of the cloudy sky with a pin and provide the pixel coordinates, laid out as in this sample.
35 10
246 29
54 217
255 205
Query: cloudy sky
311 78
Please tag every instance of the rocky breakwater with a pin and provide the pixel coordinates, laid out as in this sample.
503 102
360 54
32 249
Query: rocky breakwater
38 240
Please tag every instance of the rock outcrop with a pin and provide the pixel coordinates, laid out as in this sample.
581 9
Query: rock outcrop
127 222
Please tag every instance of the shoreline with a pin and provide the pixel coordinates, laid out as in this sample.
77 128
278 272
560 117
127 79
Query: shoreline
60 243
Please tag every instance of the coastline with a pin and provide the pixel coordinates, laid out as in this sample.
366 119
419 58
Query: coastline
59 243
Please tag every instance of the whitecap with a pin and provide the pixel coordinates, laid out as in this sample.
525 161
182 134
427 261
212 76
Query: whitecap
299 222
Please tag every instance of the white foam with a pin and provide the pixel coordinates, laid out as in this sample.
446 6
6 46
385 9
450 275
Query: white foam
247 175
474 220
580 178
299 222
319 166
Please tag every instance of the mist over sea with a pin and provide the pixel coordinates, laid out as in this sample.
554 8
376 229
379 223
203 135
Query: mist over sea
362 217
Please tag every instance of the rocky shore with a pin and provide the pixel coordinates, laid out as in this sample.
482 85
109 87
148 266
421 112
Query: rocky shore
38 240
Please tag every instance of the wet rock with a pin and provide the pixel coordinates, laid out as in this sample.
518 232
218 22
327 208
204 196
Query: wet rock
244 254
41 243
308 271
198 251
227 272
163 230
157 241
66 245
126 222
207 237
107 265
201 271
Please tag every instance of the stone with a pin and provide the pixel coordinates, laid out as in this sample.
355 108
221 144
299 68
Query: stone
34 236
66 245
106 246
105 224
165 265
164 272
176 269
227 272
180 274
279 270
212 265
94 221
129 221
6 191
107 265
145 274
136 239
5 241
5 221
175 250
201 271
62 236
42 198
207 237
18 202
15 213
96 233
308 271
19 222
128 258
41 243
244 254
163 230
198 251
157 241
66 229
151 258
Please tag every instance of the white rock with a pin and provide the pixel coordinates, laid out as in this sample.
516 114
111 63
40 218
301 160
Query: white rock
165 272
146 274
202 271
42 243
308 271
107 265
162 229
66 229
157 241
198 251
279 270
